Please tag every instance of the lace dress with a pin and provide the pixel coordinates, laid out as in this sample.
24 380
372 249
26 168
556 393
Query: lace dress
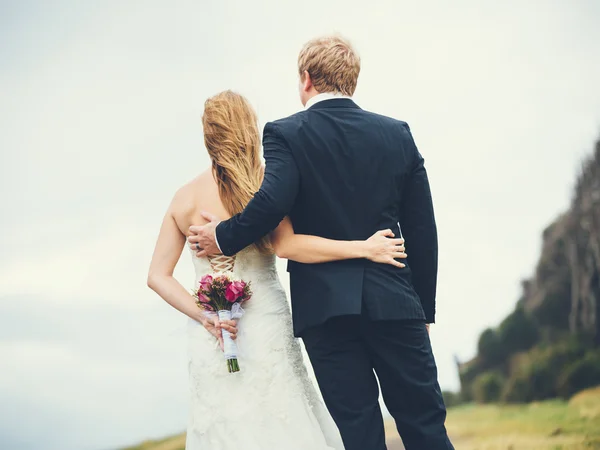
271 403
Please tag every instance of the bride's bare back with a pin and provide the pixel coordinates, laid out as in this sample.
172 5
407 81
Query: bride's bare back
199 195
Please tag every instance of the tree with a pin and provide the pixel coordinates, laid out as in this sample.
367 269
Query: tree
517 332
490 348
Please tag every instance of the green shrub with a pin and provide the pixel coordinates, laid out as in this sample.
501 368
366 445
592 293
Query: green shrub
536 377
467 373
517 389
580 375
517 332
490 349
488 387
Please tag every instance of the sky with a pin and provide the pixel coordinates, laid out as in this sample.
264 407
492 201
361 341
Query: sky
100 123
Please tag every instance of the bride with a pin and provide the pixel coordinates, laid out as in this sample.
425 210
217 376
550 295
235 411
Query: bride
271 403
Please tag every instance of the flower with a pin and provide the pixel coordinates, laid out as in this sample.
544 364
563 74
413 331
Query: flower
224 280
208 307
235 291
203 298
206 282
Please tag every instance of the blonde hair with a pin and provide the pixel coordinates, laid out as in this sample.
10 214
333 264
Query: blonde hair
332 63
233 142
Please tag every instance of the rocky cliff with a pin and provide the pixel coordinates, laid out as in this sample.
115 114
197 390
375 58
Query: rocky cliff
565 291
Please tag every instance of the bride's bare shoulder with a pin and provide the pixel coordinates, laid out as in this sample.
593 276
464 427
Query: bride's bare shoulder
196 187
197 195
192 192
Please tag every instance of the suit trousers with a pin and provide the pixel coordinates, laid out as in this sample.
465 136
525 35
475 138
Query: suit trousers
347 352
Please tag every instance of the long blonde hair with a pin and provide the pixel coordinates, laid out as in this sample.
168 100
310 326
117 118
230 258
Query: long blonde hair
233 142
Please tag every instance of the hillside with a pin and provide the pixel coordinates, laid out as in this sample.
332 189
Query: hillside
549 346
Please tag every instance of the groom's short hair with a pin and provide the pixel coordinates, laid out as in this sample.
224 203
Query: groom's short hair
332 63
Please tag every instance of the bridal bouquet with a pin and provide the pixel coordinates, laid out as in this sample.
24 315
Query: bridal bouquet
222 295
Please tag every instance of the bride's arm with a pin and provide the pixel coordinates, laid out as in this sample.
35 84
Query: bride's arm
381 247
160 277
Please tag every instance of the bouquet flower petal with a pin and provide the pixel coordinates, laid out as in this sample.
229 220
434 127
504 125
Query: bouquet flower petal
223 295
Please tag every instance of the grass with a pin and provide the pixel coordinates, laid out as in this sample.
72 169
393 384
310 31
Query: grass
170 443
549 425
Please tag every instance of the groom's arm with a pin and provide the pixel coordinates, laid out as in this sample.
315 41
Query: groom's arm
417 221
270 204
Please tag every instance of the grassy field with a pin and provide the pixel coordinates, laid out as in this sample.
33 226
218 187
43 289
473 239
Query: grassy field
172 443
550 425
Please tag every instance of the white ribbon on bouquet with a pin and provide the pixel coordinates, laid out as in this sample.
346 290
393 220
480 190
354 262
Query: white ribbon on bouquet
230 349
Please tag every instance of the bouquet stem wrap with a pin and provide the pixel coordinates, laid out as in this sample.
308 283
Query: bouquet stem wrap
230 349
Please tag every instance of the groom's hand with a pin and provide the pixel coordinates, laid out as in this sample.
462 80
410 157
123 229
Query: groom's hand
202 238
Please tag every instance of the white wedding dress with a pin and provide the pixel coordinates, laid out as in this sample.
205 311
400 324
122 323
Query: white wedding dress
271 404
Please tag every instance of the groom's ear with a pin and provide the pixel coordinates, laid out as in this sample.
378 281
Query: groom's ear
306 81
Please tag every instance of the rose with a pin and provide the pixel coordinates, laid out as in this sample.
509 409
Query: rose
206 282
247 293
235 291
208 307
203 298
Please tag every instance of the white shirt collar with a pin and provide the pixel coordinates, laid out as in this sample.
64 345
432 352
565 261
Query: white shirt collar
322 97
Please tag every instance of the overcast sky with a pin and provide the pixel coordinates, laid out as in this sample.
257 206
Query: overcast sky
100 107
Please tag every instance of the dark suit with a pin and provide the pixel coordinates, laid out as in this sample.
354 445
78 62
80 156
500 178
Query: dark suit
343 173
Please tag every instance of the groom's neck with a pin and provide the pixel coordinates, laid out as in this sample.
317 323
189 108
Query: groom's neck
310 94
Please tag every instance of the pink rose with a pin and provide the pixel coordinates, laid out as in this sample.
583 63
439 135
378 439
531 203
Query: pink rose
206 282
235 291
208 307
203 298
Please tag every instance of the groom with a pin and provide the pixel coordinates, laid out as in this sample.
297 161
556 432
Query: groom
343 173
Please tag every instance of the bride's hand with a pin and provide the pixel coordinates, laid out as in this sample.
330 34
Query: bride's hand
231 326
383 248
215 326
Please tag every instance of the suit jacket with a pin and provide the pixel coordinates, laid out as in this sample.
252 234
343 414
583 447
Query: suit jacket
344 173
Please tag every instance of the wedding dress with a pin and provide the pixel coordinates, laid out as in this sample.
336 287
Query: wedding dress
271 404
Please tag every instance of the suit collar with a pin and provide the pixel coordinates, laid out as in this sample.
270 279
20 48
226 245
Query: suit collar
324 96
335 103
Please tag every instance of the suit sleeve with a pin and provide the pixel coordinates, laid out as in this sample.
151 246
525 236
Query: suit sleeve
270 204
418 225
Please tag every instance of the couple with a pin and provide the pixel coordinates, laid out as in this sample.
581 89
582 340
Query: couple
338 185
